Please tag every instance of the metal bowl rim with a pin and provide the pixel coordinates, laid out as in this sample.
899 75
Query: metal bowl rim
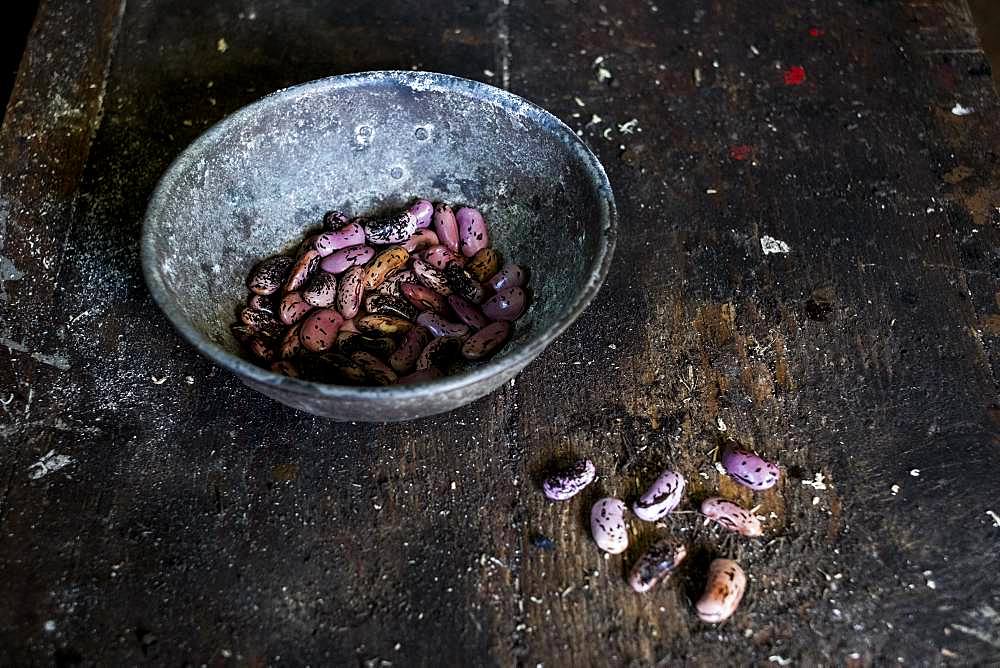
419 81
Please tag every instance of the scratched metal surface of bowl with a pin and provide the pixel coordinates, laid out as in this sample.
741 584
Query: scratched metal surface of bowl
251 185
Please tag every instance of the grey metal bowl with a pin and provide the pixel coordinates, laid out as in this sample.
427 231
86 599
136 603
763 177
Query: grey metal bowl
253 183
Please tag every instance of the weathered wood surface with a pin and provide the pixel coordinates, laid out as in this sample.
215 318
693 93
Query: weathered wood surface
197 522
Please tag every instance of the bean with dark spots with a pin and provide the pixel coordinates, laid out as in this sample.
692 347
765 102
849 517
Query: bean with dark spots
662 497
384 265
487 341
391 286
749 469
431 277
345 258
331 366
424 299
422 211
723 592
319 330
463 283
422 376
656 564
607 525
261 302
438 326
385 325
508 304
392 229
374 368
380 346
335 220
262 323
378 304
467 312
484 264
293 308
446 226
291 344
440 257
350 290
440 352
303 268
732 516
285 368
472 231
267 277
351 234
406 355
261 349
321 290
421 240
241 333
511 276
565 484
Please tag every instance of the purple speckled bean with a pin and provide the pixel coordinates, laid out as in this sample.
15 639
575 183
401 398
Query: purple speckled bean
607 524
438 326
405 356
345 258
392 229
392 284
441 256
487 341
423 298
262 323
508 304
421 240
291 345
463 283
422 211
422 376
349 235
467 312
749 469
321 290
725 588
656 564
439 352
302 270
374 368
569 482
293 308
511 276
445 226
731 516
285 368
319 330
350 291
471 231
334 220
662 497
431 277
260 349
266 278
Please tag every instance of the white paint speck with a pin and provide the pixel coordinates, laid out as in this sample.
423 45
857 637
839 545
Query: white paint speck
629 127
780 660
894 490
915 473
770 245
959 110
994 517
221 45
49 463
50 626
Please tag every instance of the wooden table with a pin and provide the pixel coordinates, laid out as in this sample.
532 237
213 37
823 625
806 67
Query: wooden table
155 510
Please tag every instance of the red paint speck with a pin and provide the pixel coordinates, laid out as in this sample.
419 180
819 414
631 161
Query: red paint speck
795 75
741 152
816 32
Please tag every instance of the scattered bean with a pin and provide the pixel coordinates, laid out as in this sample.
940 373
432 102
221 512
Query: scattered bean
438 326
384 265
319 330
266 278
302 270
393 229
607 524
484 264
321 289
487 341
511 276
293 308
383 324
508 304
749 469
431 277
656 564
346 258
568 483
463 283
350 290
731 516
375 368
471 231
446 226
405 356
725 588
467 312
424 299
422 211
662 497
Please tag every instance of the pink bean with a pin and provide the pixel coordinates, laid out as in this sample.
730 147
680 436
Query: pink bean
487 341
508 304
350 291
420 240
319 330
422 211
467 312
346 236
471 231
749 469
346 258
725 588
414 342
438 326
607 524
441 256
293 308
732 516
446 226
662 497
567 483
511 276
321 290
423 298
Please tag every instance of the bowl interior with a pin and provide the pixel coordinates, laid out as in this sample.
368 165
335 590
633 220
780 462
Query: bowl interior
255 183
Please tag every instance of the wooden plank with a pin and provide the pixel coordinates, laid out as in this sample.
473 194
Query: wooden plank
199 522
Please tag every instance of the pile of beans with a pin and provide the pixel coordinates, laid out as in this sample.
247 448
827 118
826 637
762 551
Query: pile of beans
726 581
388 300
